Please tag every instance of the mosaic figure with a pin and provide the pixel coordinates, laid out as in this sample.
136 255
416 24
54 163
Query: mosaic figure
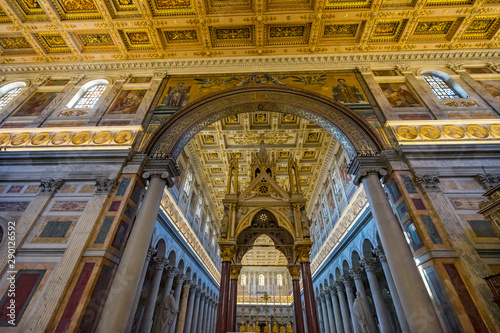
346 94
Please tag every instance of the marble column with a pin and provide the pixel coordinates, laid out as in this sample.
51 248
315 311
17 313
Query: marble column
213 315
392 288
320 314
181 319
199 295
417 306
210 304
201 319
147 319
206 316
357 275
227 253
188 321
303 250
233 298
170 272
348 283
119 303
297 303
336 309
329 310
382 313
343 307
326 319
179 279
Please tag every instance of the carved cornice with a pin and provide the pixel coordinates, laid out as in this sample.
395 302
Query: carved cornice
428 182
264 63
49 186
488 180
104 185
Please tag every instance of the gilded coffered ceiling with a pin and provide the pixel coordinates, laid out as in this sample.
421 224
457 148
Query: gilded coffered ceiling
264 253
106 30
239 136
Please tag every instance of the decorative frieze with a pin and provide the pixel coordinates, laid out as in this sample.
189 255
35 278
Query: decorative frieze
47 138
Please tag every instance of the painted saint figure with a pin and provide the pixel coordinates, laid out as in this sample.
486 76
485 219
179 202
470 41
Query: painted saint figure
347 94
177 96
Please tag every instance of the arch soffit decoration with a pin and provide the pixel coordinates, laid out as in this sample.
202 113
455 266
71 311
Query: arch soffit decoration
353 132
280 217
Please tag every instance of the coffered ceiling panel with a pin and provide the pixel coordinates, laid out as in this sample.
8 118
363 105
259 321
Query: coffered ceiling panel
155 29
284 135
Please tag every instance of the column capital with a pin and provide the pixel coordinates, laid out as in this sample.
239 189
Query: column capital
227 251
49 186
294 271
369 264
104 185
428 182
380 254
356 272
362 166
402 68
151 252
303 250
488 180
347 280
180 278
332 289
318 299
186 283
159 263
235 271
171 271
193 290
338 286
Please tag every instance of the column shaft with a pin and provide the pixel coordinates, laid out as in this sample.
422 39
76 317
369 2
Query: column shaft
201 312
119 303
331 317
326 319
194 318
188 321
147 319
350 300
177 297
343 308
416 303
297 305
223 307
394 292
183 308
336 311
320 315
311 312
231 315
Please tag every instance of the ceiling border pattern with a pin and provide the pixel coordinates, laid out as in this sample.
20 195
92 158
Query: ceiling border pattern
269 62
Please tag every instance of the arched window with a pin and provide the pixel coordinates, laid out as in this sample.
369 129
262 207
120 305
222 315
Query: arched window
262 280
189 179
9 91
88 95
243 280
279 280
443 85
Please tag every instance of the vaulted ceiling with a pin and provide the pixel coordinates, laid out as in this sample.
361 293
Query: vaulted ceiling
284 136
103 30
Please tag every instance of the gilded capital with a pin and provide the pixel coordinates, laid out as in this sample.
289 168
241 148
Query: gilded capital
294 271
303 250
235 271
227 251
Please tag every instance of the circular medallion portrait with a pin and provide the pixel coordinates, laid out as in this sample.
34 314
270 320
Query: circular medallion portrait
477 132
454 132
430 132
4 138
101 137
407 133
81 138
20 139
495 130
123 137
40 139
61 138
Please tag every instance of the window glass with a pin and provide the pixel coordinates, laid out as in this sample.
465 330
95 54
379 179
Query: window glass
90 97
440 87
9 96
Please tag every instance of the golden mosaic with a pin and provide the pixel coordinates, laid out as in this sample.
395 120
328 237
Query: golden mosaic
433 28
347 4
122 8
